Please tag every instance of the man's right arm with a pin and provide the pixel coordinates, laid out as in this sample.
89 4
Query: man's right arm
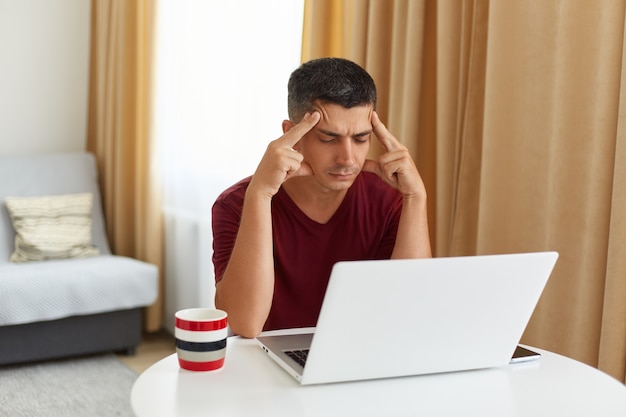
246 289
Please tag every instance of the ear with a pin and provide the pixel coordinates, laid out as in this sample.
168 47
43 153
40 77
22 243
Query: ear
287 125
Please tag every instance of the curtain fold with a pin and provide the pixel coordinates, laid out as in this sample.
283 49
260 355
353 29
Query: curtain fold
119 132
613 329
464 32
514 113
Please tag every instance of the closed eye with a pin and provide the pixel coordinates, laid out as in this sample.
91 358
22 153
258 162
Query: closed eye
329 137
362 137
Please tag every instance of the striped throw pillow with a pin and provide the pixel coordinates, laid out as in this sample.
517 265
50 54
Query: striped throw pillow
51 227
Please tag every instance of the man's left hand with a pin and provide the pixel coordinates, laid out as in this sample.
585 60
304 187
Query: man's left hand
395 166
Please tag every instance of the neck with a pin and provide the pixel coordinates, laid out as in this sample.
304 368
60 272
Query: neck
318 203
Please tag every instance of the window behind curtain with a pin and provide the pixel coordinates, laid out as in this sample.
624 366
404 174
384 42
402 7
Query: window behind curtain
220 97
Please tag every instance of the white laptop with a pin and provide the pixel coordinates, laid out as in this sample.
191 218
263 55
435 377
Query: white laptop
393 318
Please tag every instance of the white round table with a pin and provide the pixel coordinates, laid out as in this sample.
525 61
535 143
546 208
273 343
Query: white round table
252 384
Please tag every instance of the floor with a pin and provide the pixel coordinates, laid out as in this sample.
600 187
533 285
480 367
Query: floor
153 348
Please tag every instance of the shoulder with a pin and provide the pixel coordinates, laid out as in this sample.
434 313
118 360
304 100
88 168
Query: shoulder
234 195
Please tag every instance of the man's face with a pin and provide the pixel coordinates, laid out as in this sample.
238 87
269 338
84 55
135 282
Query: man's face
336 148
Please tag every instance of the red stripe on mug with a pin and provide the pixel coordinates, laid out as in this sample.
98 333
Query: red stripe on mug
201 326
201 366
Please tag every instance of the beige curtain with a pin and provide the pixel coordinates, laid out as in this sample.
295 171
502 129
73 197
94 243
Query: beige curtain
119 134
515 113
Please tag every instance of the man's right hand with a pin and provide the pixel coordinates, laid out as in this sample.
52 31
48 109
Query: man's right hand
281 161
246 289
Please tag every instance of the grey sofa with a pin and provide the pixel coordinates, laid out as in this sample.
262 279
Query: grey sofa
58 308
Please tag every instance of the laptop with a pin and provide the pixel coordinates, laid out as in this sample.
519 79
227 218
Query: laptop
393 318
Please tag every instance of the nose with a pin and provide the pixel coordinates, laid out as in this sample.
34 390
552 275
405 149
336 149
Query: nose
345 152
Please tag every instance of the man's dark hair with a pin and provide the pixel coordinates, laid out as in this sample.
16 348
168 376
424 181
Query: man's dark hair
330 80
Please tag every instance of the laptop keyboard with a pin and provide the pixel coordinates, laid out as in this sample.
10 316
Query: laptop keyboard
298 355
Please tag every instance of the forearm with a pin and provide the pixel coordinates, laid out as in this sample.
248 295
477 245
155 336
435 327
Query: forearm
413 239
246 289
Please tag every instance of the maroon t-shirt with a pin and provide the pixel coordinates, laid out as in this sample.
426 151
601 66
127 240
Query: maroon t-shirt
364 227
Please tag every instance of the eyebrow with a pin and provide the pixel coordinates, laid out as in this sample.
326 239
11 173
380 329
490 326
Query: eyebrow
335 134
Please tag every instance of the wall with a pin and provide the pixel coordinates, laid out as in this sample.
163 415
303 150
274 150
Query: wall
44 68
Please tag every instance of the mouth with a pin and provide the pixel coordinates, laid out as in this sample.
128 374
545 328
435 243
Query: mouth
342 175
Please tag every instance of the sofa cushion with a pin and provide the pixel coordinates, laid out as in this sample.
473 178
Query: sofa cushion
49 174
40 291
51 227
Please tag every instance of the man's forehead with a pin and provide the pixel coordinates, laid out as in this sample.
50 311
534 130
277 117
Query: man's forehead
321 104
336 115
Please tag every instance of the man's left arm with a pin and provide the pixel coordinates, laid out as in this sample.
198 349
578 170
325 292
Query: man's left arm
396 168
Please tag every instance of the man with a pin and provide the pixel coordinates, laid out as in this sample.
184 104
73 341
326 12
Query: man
313 200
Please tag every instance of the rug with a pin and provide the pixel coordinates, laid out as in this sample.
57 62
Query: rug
88 386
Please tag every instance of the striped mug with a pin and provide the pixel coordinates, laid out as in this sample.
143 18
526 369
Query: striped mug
201 338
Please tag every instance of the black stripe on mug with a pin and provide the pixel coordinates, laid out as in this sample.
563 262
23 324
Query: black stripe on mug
200 347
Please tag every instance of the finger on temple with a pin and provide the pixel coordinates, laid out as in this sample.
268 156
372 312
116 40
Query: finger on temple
298 131
384 136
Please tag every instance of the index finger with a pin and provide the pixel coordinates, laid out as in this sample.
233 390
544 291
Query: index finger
296 133
384 136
